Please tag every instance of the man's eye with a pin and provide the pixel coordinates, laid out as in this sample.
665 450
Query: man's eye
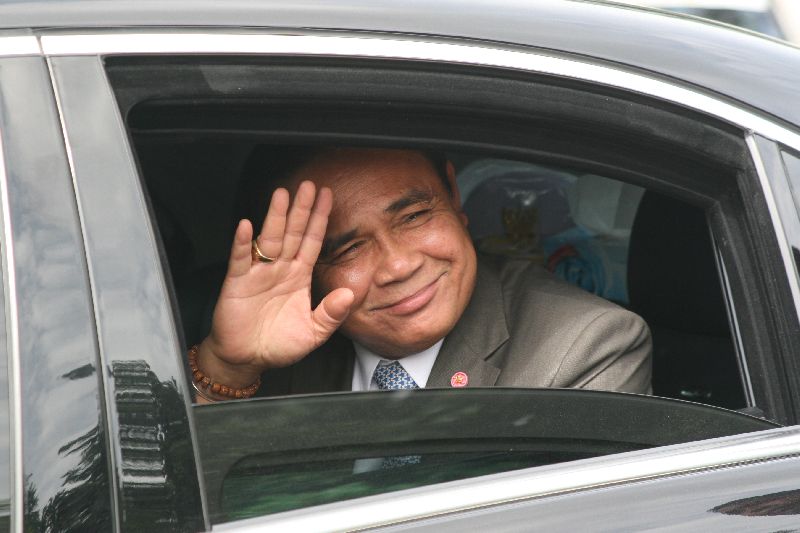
416 215
348 250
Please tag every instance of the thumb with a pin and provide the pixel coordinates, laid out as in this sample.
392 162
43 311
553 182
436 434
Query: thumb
332 311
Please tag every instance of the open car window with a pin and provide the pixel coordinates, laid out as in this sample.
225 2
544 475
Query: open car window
640 202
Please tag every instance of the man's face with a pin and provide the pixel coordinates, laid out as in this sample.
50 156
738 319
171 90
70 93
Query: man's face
397 238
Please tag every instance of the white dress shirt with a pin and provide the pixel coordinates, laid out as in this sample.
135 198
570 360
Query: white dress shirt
418 366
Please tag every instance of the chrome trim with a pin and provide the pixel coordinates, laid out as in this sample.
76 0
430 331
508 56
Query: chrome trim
19 45
497 489
12 342
113 459
780 233
730 308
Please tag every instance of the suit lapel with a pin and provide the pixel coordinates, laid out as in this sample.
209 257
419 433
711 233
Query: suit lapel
478 334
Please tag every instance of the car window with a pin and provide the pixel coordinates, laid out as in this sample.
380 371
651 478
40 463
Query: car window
586 229
600 234
630 223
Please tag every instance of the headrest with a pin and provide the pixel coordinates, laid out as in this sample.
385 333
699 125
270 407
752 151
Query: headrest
672 274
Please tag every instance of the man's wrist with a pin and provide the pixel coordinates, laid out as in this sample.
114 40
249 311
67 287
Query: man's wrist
220 370
214 379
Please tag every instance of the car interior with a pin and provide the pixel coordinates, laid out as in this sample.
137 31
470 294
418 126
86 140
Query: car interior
590 205
637 200
631 246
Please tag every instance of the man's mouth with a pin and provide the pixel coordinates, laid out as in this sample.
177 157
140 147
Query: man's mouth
414 302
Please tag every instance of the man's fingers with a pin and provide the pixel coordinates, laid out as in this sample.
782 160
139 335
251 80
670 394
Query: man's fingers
270 241
332 311
298 219
317 223
239 262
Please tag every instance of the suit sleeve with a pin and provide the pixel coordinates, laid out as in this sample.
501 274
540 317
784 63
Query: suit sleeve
613 352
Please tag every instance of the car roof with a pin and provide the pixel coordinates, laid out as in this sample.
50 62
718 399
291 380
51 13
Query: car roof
759 71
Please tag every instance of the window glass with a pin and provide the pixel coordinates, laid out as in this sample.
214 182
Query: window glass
323 449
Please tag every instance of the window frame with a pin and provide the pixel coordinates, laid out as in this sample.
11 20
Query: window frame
48 317
145 394
761 350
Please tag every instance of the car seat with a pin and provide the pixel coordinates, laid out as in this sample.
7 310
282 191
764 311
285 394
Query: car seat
579 224
674 285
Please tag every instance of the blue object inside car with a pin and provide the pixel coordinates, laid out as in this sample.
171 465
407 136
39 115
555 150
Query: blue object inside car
576 225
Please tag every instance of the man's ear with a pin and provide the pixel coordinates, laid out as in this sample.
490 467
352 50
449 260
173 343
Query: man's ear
455 193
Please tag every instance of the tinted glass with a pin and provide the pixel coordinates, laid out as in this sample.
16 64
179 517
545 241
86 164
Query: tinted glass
302 451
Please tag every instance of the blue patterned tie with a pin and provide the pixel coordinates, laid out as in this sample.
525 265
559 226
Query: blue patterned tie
393 377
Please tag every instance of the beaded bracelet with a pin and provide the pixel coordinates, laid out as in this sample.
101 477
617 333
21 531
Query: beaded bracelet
203 384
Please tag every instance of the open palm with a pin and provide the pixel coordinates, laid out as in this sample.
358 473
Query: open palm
264 316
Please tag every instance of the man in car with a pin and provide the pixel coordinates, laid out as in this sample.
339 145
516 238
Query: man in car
368 279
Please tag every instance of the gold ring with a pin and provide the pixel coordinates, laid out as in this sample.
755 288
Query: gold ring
260 257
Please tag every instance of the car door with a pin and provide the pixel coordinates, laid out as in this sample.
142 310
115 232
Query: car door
114 92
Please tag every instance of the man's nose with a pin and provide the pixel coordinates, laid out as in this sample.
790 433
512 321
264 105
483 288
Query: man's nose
398 261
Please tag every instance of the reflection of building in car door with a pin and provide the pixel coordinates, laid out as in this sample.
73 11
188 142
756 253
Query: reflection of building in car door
578 226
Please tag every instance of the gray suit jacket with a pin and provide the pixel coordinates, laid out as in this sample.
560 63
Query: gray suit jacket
522 328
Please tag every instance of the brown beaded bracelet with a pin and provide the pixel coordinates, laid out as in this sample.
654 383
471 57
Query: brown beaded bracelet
203 383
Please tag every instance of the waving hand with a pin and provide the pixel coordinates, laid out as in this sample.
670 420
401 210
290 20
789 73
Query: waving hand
264 316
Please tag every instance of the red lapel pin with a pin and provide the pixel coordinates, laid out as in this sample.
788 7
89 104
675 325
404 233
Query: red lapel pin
459 379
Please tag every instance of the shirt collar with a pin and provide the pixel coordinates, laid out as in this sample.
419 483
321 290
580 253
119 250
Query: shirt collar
418 366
